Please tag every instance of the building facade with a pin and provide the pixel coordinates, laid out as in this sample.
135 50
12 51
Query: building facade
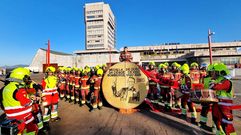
100 27
226 52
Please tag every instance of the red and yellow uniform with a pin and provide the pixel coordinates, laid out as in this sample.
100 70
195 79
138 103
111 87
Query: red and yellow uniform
96 80
50 96
16 103
34 93
77 85
222 112
152 93
85 86
185 101
72 84
62 82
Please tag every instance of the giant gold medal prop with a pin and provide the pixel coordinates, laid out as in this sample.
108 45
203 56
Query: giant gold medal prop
125 86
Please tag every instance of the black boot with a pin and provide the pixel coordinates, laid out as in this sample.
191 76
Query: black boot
193 121
204 126
55 119
46 126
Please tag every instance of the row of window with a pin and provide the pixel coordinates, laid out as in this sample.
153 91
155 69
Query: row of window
96 41
95 45
96 36
98 31
94 16
95 22
95 26
229 61
95 12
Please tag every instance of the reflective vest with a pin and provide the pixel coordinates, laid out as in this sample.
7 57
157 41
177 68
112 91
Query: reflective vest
97 82
77 81
50 86
12 107
84 85
207 80
222 94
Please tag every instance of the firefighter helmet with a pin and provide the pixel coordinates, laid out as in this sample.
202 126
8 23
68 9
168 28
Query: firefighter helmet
166 63
19 73
185 68
152 63
100 72
162 66
194 64
221 68
50 69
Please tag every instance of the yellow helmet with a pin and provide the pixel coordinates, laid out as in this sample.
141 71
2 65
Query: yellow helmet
100 72
61 69
194 64
19 73
185 68
220 67
50 69
162 66
80 69
166 63
178 65
97 67
174 64
152 63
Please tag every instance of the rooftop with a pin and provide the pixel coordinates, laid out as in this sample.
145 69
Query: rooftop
56 52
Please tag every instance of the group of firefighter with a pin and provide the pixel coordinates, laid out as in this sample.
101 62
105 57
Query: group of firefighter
22 98
81 86
173 84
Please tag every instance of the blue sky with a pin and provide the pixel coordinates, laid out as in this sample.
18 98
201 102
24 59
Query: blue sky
26 25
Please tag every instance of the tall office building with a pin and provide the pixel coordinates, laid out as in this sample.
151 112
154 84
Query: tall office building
100 26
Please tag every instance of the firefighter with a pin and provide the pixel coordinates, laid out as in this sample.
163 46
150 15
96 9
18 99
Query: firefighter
176 81
203 73
152 93
67 78
62 82
77 85
159 76
85 86
206 106
72 83
96 80
185 87
16 103
125 55
165 85
194 74
50 97
34 91
221 112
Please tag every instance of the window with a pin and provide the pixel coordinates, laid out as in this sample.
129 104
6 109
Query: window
230 61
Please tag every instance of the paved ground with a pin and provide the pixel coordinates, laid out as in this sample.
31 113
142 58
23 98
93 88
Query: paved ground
78 120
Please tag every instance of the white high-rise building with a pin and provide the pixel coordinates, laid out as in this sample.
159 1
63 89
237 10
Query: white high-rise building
100 26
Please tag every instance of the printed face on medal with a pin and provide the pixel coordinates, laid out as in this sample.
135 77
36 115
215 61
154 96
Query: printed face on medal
125 85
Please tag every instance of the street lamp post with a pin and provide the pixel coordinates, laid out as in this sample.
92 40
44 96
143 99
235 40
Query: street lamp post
209 44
